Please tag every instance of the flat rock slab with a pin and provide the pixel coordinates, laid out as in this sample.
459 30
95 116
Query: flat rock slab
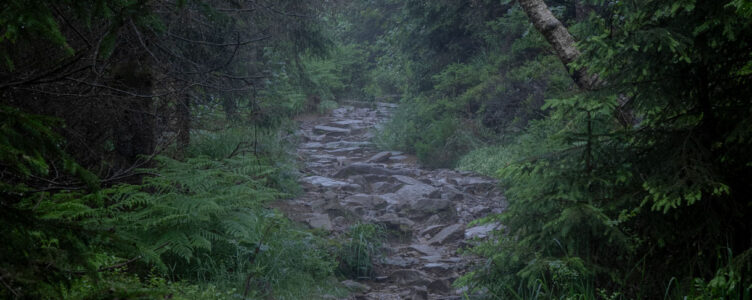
364 168
380 157
425 249
365 200
481 231
355 286
311 145
448 234
325 182
412 192
344 150
329 130
346 123
345 144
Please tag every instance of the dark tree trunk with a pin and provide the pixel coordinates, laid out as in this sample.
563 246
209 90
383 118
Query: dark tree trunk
184 123
134 132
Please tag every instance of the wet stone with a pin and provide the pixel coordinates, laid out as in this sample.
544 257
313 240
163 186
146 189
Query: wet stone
449 234
380 157
319 221
329 130
324 182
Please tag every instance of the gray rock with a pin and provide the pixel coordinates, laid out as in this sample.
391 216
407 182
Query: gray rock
425 250
346 123
330 195
324 182
480 210
433 220
380 157
385 187
418 293
365 200
407 179
398 261
481 231
449 234
441 286
355 286
431 258
425 206
431 230
361 180
319 221
413 192
397 158
344 150
328 130
393 222
437 267
364 168
311 145
345 144
405 277
324 158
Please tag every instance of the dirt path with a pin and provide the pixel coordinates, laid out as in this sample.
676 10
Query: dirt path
348 181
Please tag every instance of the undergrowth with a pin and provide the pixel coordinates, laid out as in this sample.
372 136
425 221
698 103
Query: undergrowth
360 249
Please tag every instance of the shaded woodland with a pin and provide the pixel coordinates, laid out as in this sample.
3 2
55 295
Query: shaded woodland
142 141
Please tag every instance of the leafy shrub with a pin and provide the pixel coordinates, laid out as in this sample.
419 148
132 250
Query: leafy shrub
427 129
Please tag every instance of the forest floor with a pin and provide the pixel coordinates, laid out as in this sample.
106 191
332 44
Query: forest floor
425 213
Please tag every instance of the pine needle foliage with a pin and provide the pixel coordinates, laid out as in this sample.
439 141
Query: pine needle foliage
639 189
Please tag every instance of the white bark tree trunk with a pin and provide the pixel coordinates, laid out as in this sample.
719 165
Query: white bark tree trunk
558 36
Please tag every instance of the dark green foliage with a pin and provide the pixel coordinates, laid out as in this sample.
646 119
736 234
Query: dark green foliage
646 197
201 220
473 74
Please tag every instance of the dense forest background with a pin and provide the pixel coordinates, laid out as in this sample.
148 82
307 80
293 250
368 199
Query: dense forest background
140 141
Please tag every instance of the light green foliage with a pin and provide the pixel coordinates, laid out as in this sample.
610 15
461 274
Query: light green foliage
361 247
438 140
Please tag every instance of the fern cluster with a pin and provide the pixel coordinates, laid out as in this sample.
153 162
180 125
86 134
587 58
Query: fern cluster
202 220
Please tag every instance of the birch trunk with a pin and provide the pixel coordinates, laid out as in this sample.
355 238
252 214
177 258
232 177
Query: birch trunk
558 36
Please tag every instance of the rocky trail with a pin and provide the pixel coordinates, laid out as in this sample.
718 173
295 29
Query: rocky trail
426 212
